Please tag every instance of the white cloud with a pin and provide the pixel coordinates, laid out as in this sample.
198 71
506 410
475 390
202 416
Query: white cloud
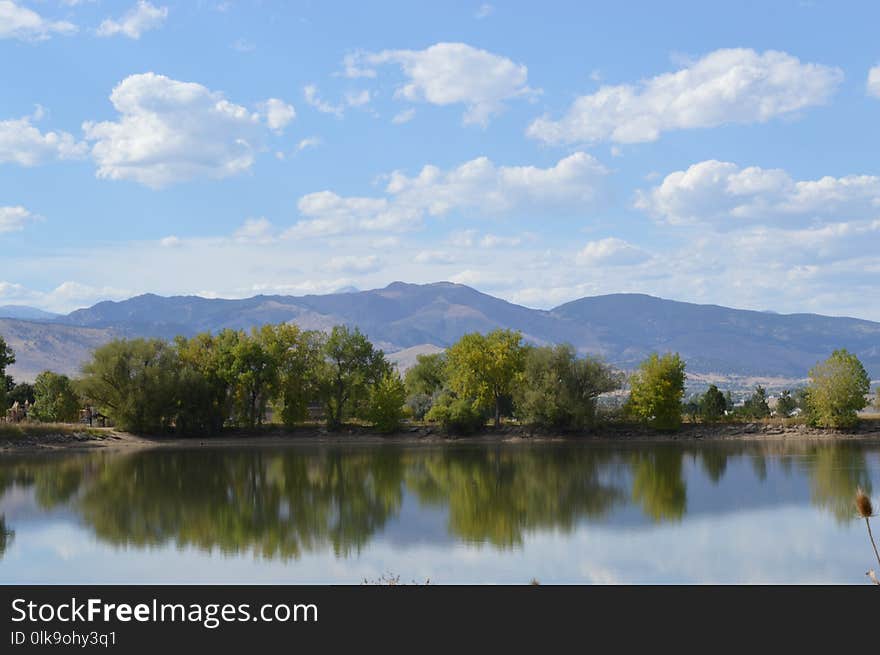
477 186
496 241
277 113
404 116
462 238
171 241
874 81
14 219
141 18
17 22
611 252
22 143
352 264
255 230
435 257
450 73
308 142
726 86
170 131
484 11
727 196
357 98
313 99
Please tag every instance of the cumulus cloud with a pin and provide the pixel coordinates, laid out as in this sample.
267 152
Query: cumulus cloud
141 18
874 81
351 99
450 73
727 196
404 116
14 219
277 113
610 252
17 22
22 143
725 86
477 186
170 131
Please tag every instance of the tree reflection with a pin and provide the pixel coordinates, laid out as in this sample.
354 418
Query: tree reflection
836 471
658 484
6 535
497 494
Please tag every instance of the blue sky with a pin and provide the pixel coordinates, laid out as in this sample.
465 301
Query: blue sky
536 151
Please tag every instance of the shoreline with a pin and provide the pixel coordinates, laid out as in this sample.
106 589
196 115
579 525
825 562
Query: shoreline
76 438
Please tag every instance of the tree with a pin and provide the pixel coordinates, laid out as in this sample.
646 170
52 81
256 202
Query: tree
657 388
133 382
206 381
351 367
786 404
7 358
22 392
486 368
424 381
385 409
559 390
255 371
456 415
300 358
837 390
712 404
55 399
756 405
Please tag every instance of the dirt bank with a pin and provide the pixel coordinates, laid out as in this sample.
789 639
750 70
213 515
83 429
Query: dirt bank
78 438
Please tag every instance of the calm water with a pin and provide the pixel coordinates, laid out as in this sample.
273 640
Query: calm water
560 513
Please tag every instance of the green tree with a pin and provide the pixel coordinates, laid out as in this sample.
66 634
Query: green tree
385 409
712 404
7 358
55 399
756 405
22 392
300 359
486 368
837 390
559 390
456 415
657 388
133 382
255 372
786 404
351 367
424 381
206 381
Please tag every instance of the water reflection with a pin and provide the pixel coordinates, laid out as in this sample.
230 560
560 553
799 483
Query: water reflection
281 504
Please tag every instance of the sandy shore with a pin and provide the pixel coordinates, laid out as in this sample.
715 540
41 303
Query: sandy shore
76 438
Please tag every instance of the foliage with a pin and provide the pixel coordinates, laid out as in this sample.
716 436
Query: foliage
559 390
351 367
755 406
385 410
456 415
656 391
712 404
133 381
55 399
7 358
424 381
22 392
786 404
837 390
486 368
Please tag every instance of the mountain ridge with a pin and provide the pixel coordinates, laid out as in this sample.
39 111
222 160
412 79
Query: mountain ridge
622 328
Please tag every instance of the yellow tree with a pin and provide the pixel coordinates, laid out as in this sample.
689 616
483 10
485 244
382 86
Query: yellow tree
486 367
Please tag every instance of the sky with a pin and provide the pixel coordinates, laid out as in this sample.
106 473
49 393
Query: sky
719 153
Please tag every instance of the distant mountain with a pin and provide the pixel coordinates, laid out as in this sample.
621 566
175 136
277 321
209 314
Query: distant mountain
623 328
26 313
46 346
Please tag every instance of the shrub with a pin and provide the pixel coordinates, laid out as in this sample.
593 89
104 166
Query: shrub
456 415
837 391
385 410
656 391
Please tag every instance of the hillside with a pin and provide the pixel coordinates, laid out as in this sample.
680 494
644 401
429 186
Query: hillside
623 328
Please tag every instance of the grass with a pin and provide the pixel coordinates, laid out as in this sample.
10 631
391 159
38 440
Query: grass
10 431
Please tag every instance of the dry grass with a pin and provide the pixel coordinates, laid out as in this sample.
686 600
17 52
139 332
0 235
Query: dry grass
10 431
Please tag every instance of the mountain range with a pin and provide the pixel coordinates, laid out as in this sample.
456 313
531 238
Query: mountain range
407 319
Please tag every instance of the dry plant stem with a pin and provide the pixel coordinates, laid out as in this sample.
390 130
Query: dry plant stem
871 537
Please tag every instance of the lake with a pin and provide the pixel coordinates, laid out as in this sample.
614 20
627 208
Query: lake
573 512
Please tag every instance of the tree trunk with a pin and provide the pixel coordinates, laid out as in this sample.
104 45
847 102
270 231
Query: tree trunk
497 412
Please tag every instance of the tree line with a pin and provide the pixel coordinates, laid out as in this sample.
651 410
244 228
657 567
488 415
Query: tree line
235 378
